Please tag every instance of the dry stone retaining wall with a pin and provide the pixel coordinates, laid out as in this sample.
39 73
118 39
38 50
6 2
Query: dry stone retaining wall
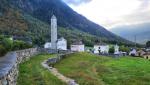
10 63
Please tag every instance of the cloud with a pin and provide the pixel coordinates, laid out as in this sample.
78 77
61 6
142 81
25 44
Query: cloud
140 15
112 13
76 2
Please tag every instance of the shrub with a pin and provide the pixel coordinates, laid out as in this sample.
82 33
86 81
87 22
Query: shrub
18 45
7 43
124 49
2 50
111 49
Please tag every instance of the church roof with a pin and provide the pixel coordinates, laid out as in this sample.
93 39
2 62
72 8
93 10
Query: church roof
53 17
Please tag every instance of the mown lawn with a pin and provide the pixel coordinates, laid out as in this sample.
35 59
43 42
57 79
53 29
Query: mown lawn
88 69
32 73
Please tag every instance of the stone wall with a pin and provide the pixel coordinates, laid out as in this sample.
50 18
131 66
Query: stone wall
9 65
49 64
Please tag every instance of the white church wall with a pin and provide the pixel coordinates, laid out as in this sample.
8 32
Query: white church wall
96 48
62 45
47 45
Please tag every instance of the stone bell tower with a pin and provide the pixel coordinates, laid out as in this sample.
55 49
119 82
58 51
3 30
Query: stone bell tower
54 32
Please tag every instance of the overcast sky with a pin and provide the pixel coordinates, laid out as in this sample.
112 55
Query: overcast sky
112 13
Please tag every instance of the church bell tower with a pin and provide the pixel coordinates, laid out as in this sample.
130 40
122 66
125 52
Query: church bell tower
54 32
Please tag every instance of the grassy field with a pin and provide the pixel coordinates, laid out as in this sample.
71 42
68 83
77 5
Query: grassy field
32 73
89 69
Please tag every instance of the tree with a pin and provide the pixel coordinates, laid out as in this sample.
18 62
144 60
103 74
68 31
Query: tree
18 45
111 49
124 49
148 44
7 43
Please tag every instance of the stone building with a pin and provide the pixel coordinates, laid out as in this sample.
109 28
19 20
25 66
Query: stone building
78 46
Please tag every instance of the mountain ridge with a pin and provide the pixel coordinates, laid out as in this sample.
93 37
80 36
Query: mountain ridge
141 31
42 10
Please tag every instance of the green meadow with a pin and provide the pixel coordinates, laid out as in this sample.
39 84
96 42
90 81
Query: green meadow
32 73
87 69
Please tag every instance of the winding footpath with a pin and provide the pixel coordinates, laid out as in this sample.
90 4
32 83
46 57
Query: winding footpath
60 76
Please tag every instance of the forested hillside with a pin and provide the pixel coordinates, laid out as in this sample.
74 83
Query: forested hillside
29 20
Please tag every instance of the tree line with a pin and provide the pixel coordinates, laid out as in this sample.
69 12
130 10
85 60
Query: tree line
8 44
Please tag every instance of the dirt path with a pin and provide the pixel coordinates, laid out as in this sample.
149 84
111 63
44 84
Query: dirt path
60 76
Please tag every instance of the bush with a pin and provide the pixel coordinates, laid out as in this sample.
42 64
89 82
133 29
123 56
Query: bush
111 49
19 45
7 43
124 49
2 50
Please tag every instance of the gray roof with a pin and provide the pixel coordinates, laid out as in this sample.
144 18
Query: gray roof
62 38
6 63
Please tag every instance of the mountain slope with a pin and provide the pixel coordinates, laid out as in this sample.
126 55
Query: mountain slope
34 19
44 9
141 31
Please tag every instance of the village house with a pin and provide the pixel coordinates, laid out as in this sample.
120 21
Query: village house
147 55
140 53
78 46
133 52
144 53
103 49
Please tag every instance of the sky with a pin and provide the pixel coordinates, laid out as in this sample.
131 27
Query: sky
113 13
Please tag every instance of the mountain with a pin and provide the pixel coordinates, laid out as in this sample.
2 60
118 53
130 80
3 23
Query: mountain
141 31
30 19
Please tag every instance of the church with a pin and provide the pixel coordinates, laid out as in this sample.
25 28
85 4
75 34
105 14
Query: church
55 43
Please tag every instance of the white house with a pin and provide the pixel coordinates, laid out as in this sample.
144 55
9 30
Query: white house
104 49
61 44
133 52
78 47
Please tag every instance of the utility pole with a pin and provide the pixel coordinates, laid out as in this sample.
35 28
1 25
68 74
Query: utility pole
135 40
